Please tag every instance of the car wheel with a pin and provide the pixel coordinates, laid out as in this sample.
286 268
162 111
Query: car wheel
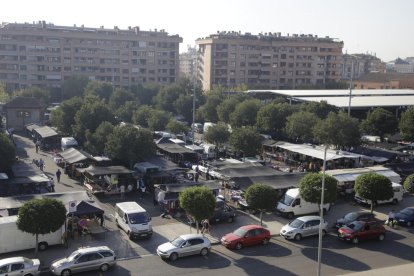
395 201
355 240
204 251
323 233
131 237
381 237
42 246
265 241
104 267
239 246
409 223
230 219
298 237
28 274
290 215
66 272
173 257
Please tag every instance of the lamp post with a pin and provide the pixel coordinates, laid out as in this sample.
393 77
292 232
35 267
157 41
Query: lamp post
350 84
321 211
195 74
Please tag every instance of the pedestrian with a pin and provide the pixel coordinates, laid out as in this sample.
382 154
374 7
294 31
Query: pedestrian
143 189
205 227
37 148
51 185
41 164
196 177
208 174
122 189
58 173
391 217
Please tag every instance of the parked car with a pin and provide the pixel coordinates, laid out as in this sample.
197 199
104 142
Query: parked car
19 266
184 245
362 230
353 216
85 259
245 236
222 212
405 216
303 227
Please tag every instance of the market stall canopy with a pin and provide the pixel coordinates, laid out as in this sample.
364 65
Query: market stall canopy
24 173
45 131
97 171
282 181
316 151
85 208
31 127
268 142
246 169
350 175
380 154
73 155
174 148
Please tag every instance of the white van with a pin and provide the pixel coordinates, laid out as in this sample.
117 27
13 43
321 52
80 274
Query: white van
291 204
398 196
207 125
210 150
133 219
68 142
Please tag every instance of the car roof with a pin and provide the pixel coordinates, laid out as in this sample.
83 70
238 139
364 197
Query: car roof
251 226
192 236
11 260
93 249
307 218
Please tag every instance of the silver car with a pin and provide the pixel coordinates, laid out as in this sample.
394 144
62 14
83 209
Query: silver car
303 227
19 266
84 259
184 245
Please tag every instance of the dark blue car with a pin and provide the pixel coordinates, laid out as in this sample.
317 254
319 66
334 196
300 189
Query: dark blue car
405 216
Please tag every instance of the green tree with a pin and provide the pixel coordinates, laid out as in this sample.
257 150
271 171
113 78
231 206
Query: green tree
246 141
99 88
74 86
208 111
128 145
89 117
373 187
380 122
141 115
158 120
176 127
299 125
119 98
42 95
406 124
310 188
40 217
190 200
95 141
261 198
4 96
321 109
167 96
338 130
7 153
217 135
227 106
409 183
271 118
183 105
64 116
145 94
245 113
125 112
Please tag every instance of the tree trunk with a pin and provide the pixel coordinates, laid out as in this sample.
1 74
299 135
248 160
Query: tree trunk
261 218
372 206
197 226
37 247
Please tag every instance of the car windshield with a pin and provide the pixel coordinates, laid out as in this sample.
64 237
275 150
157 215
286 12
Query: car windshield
407 211
177 241
74 255
296 223
136 218
351 216
240 232
287 200
356 225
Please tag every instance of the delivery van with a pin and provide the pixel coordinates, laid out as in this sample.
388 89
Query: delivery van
397 197
13 239
291 204
68 142
133 219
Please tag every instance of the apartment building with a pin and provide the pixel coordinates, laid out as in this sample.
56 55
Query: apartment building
361 64
188 63
43 54
269 60
385 81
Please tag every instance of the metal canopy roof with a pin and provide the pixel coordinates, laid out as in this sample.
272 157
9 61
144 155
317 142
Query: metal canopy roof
361 101
337 92
45 131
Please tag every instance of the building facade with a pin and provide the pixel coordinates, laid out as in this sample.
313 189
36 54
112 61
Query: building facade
42 54
385 81
21 111
360 64
188 63
268 61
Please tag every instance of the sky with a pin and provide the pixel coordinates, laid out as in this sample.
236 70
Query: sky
380 27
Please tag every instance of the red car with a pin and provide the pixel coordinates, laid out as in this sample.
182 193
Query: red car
362 230
245 236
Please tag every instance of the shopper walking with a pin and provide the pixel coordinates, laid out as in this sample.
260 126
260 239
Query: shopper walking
58 173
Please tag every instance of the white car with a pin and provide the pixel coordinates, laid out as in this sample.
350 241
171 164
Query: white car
19 266
303 227
85 259
184 245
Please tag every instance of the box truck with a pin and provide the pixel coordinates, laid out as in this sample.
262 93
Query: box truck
291 204
397 197
13 239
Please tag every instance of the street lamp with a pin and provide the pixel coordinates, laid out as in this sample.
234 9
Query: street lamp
195 74
321 211
350 84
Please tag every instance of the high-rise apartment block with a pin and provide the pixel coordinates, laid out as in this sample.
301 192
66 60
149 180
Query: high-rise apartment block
269 60
361 64
188 63
42 54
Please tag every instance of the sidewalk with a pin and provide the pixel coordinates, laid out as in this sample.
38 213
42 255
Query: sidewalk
405 269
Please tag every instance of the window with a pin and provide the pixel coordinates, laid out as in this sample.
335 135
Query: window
23 113
15 267
106 253
4 269
196 241
94 256
83 259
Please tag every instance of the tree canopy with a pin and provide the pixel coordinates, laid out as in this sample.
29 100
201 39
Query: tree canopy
99 88
407 125
227 106
409 183
95 141
245 113
217 134
42 95
246 141
380 122
374 187
7 153
299 126
64 116
158 119
119 98
199 202
271 118
310 188
176 127
74 86
41 216
261 198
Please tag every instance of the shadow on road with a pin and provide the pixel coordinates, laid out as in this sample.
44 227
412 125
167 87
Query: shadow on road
212 261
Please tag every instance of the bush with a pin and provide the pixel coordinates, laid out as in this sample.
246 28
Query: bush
409 183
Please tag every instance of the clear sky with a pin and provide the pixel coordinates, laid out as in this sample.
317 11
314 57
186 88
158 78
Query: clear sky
381 27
